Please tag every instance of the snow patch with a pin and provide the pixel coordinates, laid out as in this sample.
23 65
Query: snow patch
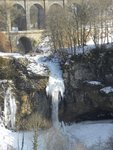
107 90
94 82
39 69
15 55
45 45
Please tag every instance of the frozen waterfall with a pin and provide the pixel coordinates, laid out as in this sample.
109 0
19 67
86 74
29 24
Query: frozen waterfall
9 108
55 89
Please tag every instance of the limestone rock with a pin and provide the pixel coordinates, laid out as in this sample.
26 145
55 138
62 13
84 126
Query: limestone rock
83 98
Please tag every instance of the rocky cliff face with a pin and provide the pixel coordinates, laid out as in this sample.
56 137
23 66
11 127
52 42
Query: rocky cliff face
88 83
89 94
29 89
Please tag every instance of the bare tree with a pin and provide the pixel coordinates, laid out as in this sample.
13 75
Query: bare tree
2 18
4 12
70 27
35 122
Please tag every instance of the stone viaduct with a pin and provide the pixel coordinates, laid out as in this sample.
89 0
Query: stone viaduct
31 23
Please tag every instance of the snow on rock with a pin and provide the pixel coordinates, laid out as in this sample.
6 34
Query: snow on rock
3 81
45 45
15 55
39 69
94 82
107 90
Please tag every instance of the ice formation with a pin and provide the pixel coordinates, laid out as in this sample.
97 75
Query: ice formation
9 108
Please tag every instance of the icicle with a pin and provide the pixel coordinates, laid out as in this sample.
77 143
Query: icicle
13 110
6 101
9 109
55 96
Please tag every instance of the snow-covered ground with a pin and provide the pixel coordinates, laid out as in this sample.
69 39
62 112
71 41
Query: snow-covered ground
10 139
88 133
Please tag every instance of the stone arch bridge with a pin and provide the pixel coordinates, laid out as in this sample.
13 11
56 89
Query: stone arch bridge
25 40
28 18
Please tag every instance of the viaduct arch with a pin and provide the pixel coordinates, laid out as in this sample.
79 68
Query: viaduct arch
37 16
27 18
30 13
18 17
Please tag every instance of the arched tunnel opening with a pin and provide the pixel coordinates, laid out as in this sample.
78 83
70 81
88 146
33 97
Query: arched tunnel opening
25 44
